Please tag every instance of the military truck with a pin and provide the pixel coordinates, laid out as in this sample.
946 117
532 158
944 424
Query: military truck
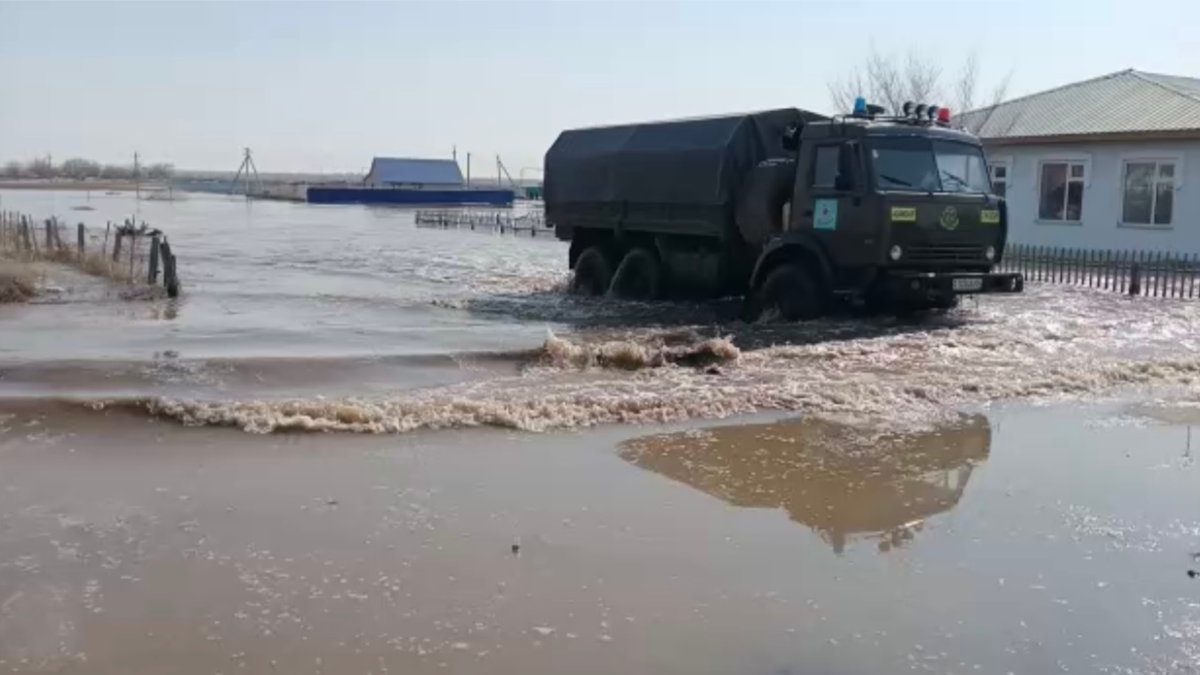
792 210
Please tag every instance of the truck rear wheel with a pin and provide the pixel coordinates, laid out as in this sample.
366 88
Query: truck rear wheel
593 273
639 277
791 291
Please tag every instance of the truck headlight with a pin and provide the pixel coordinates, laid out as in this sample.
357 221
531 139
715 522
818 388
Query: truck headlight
990 253
896 252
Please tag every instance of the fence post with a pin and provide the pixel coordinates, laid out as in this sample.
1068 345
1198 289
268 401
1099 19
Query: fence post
82 241
1157 267
152 273
49 236
1192 274
1172 273
170 275
1135 279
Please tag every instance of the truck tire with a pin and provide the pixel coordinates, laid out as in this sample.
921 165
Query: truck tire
639 276
593 273
791 291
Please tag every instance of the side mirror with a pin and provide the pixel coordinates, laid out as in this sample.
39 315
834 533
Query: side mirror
791 138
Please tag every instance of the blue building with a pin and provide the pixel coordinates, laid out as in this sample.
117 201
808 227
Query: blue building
414 174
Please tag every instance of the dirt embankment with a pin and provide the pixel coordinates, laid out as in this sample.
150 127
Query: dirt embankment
80 185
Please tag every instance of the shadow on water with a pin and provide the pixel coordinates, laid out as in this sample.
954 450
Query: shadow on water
716 318
827 476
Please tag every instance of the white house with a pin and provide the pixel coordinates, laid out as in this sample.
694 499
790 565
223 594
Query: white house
1107 163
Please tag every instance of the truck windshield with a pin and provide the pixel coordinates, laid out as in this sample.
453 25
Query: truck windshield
925 165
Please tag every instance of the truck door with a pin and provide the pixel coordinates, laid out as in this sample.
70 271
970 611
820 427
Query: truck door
837 210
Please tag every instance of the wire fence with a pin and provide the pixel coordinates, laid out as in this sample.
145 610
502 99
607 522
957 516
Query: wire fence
1139 273
127 252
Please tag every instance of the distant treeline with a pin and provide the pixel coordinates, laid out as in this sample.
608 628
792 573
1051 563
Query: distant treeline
79 169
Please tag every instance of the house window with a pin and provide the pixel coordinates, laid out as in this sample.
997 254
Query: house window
998 172
1149 196
1061 191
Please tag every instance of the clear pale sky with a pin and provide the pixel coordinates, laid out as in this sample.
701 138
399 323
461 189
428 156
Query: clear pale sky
325 86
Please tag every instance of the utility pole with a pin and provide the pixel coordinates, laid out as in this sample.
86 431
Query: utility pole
247 167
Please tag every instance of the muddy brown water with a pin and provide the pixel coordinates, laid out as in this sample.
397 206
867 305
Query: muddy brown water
539 484
1029 540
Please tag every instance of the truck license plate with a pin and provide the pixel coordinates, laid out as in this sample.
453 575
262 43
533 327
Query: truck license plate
967 284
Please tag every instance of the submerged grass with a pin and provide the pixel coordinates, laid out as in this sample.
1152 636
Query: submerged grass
96 262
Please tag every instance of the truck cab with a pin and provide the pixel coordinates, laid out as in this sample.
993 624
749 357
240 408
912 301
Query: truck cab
787 208
896 210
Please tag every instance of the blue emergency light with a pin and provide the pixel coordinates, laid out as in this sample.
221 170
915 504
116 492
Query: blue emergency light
860 106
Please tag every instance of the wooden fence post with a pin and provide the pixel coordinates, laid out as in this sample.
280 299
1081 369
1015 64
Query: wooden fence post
152 273
49 236
81 241
170 276
116 251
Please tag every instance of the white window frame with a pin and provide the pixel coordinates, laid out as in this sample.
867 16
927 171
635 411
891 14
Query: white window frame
1146 158
1068 158
1007 164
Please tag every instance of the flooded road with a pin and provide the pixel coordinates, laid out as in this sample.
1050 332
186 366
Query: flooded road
1027 541
353 319
1007 488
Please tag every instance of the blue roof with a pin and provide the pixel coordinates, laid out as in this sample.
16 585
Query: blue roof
420 171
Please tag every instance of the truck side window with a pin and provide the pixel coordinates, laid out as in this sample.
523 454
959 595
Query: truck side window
825 168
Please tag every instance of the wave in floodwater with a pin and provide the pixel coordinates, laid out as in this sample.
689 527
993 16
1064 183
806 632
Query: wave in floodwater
1049 344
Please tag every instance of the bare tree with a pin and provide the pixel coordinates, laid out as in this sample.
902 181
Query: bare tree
161 171
891 81
116 172
77 168
12 169
41 167
975 116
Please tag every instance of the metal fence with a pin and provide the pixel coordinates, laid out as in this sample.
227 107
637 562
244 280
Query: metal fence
533 221
1143 273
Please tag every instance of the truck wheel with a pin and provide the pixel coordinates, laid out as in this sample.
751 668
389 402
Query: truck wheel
593 273
790 290
639 277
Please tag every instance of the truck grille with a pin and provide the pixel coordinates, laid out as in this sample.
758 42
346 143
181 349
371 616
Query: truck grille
943 253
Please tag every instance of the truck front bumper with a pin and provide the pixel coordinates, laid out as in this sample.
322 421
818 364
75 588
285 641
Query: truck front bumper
931 285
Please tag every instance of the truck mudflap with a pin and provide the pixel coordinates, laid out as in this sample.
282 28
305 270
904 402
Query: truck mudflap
924 285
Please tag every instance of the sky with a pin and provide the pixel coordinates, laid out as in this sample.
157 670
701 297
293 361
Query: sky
314 86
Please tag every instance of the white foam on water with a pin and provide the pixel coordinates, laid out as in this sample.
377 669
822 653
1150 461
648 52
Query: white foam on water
1049 344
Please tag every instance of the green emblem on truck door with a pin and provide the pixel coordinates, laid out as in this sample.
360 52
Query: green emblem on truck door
949 219
825 214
